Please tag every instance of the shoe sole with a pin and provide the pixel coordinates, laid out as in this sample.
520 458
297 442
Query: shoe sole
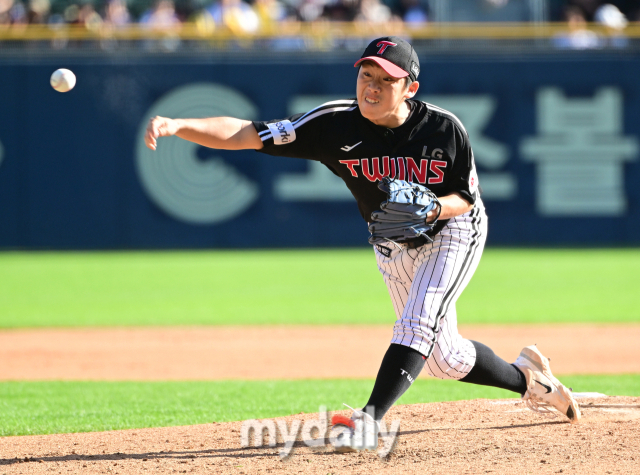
344 450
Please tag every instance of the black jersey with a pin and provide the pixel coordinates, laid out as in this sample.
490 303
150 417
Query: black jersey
431 148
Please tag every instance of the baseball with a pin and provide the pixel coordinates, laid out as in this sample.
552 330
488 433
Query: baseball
63 80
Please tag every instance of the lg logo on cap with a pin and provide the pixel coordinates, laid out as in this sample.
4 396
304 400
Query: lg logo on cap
384 45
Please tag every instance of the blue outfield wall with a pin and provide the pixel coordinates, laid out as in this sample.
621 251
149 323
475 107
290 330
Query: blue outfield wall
556 140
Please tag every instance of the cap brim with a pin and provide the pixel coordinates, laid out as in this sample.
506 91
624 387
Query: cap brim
388 66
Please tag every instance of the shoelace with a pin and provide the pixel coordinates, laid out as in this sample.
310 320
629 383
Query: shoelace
345 404
365 417
536 404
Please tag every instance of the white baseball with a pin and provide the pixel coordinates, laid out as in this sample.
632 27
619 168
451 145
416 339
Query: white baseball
63 80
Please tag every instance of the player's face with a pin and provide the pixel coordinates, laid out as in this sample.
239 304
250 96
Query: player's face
381 96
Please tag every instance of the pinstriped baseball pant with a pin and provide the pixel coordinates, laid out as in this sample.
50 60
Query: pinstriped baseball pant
424 284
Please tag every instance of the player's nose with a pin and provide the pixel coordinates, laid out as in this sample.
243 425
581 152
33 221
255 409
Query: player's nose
373 85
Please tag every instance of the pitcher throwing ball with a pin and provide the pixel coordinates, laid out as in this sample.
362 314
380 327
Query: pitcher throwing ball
410 168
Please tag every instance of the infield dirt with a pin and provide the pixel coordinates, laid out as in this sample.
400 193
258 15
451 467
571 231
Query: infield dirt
464 437
284 352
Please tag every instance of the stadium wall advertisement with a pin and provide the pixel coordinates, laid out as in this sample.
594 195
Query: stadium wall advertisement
556 141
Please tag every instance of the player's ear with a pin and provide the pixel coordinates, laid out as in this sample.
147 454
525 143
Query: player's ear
412 89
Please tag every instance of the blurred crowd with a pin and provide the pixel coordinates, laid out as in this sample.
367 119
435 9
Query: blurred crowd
250 15
236 14
614 17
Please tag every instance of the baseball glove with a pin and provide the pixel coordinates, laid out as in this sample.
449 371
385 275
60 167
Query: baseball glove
404 214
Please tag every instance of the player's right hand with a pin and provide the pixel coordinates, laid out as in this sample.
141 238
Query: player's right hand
159 127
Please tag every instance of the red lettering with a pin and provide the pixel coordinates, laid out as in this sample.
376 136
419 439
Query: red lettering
435 166
351 164
401 168
384 45
375 175
392 173
405 169
419 173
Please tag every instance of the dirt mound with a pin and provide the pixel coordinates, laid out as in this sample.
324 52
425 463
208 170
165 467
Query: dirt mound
481 436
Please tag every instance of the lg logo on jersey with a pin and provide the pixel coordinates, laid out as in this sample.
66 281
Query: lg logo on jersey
427 171
436 166
435 153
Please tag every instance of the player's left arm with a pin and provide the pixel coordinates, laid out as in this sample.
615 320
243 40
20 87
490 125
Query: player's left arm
450 206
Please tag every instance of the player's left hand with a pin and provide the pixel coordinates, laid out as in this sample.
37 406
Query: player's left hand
433 215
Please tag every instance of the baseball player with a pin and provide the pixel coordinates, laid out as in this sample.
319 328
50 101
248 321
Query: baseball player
390 150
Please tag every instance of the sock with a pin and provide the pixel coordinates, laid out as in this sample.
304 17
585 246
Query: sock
491 370
400 366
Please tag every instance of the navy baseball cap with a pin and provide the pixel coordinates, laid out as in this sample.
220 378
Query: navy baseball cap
394 55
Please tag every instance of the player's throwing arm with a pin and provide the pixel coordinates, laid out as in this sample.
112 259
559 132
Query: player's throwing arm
226 133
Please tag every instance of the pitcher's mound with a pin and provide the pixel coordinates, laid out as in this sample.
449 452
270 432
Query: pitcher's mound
481 436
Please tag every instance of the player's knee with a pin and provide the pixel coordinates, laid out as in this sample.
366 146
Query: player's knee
434 368
448 364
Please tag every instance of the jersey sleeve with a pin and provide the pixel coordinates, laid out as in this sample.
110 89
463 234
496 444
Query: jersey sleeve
301 135
464 179
281 137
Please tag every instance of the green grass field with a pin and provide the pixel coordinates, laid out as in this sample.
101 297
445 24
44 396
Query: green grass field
302 286
58 407
40 289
